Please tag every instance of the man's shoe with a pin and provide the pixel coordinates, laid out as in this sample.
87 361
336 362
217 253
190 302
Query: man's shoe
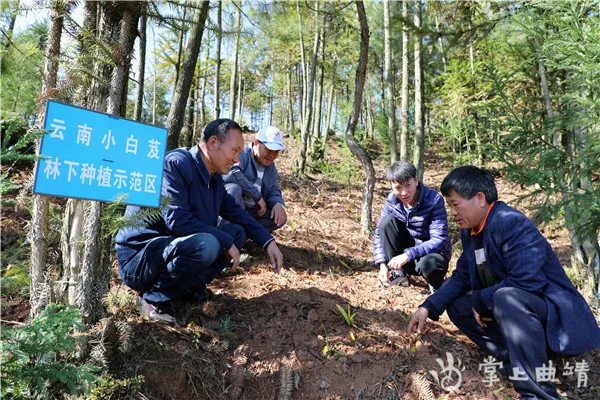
397 277
196 295
162 312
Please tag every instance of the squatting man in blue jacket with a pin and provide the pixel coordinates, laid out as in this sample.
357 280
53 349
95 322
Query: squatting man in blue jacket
412 233
180 253
509 292
254 182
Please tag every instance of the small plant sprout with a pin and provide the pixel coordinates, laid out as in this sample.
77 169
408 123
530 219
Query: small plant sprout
348 315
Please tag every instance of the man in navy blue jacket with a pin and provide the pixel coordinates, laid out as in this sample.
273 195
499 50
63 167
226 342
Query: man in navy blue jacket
254 182
509 292
183 251
412 233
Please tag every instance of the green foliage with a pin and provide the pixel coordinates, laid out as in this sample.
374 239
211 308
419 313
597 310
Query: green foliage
15 281
348 315
345 170
35 356
20 67
111 388
17 145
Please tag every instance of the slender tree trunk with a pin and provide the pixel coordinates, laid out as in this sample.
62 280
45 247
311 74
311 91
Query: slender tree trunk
239 92
319 98
303 86
389 83
440 43
311 88
180 46
40 293
290 103
475 119
182 89
329 109
419 132
216 94
404 101
11 24
234 67
355 148
139 98
154 80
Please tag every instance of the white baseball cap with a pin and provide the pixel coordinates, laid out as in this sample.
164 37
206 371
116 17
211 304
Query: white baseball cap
271 137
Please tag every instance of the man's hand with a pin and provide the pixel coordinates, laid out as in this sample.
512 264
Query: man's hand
398 261
417 320
384 273
234 254
278 214
261 207
481 321
275 256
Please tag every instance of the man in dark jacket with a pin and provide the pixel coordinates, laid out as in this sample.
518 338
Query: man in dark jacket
412 233
254 182
183 251
509 293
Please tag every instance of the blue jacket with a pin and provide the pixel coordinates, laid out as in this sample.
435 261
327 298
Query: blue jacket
244 174
197 200
519 256
427 223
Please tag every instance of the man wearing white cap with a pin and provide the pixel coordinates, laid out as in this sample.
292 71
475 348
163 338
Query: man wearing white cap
254 182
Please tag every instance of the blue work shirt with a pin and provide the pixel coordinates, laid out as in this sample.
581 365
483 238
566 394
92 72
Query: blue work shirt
197 198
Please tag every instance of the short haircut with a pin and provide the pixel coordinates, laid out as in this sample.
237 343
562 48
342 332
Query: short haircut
219 128
401 172
469 180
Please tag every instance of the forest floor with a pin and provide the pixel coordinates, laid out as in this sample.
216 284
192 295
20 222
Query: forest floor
269 336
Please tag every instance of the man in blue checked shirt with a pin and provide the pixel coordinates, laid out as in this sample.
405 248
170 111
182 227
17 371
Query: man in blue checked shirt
254 181
412 232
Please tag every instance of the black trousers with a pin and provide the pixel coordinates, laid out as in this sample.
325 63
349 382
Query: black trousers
516 336
395 238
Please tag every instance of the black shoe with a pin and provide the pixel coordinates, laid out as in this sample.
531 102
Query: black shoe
196 295
162 312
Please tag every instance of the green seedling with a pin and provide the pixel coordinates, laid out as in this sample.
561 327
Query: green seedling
348 315
405 318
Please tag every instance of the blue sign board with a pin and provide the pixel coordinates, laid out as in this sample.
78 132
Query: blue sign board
96 156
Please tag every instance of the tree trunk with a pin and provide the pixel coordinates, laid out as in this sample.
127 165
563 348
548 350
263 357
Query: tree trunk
419 132
218 61
404 101
95 281
311 89
234 67
319 98
303 84
389 83
11 24
180 45
182 89
355 148
290 103
40 292
329 109
239 92
139 98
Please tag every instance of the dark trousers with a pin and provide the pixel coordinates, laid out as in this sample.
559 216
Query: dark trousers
167 267
395 238
265 220
516 336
